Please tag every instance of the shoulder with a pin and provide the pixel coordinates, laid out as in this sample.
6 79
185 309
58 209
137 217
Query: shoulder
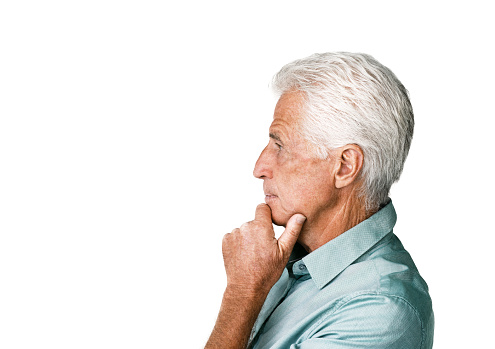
398 278
372 318
389 300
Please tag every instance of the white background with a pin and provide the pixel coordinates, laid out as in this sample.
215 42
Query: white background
129 131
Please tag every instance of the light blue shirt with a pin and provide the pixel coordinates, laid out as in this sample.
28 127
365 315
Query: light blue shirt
359 290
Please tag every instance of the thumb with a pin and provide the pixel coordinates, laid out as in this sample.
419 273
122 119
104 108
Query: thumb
288 239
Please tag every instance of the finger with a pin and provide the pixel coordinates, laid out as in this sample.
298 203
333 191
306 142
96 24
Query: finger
263 214
226 237
229 236
288 239
225 242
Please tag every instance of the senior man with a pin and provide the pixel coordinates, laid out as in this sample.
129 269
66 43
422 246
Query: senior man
337 277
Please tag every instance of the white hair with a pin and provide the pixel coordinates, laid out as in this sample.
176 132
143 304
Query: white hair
350 98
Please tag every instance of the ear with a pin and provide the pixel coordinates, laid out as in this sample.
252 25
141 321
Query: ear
349 164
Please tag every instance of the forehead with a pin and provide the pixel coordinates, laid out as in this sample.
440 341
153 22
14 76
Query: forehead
287 115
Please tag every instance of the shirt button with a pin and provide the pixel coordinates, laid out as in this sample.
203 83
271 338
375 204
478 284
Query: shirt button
302 267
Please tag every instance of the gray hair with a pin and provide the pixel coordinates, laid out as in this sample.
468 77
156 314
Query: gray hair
350 98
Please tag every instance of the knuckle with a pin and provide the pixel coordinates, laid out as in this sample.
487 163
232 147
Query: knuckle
245 226
226 237
229 236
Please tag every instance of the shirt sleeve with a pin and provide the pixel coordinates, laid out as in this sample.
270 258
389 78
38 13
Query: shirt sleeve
367 321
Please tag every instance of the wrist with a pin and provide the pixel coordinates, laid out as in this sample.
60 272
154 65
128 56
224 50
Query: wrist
249 293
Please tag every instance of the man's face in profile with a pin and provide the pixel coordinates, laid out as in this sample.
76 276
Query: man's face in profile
294 180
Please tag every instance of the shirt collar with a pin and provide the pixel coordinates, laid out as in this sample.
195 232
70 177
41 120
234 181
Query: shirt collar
326 262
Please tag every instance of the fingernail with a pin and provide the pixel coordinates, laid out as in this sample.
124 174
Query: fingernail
300 219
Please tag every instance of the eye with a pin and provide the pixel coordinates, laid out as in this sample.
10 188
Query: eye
279 146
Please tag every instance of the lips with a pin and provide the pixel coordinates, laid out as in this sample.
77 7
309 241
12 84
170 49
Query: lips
270 198
269 193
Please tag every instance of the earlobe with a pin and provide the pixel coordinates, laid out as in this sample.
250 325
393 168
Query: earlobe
350 163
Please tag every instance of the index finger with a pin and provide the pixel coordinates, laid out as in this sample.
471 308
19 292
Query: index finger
263 214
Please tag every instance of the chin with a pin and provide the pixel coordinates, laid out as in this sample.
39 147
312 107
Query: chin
279 219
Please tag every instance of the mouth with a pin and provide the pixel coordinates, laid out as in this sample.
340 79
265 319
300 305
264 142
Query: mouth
270 198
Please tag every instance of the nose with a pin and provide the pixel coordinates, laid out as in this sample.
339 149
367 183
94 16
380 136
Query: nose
262 169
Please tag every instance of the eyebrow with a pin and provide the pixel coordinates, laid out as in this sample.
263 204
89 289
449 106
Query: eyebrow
275 137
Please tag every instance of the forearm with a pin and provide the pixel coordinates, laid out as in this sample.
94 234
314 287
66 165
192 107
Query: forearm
236 318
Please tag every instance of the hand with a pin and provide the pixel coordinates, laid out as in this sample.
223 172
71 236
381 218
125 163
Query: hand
254 259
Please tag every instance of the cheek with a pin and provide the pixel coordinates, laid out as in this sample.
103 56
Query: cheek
294 189
303 187
308 189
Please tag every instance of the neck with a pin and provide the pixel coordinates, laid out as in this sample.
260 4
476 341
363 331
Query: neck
346 213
